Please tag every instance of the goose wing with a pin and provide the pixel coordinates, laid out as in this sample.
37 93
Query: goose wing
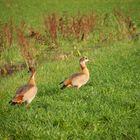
79 79
21 92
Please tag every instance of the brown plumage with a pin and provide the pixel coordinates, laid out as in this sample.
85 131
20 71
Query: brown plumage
78 79
27 92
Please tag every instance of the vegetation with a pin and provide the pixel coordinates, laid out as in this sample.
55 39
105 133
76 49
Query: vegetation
52 36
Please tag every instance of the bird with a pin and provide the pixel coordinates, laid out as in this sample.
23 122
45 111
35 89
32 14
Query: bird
27 92
78 79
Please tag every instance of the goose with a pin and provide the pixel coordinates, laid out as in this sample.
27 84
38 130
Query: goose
78 79
27 92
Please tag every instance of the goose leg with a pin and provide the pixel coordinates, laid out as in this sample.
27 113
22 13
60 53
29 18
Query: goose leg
28 106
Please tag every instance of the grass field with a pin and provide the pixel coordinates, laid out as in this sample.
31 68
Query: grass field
107 108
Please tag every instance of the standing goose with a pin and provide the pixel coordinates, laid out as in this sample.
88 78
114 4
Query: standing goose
78 79
27 92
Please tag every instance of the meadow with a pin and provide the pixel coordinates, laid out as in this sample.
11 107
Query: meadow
108 106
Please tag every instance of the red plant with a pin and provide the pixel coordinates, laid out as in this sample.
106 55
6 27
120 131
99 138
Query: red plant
78 27
126 26
51 25
25 48
8 33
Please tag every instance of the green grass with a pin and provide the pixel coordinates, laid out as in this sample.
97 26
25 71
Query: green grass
107 108
33 11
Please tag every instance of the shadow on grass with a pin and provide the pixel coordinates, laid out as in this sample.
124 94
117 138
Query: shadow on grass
44 106
48 91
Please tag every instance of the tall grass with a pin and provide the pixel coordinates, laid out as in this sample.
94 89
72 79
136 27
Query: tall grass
25 48
100 30
126 27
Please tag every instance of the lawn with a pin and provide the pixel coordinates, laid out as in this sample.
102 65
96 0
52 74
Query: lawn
106 108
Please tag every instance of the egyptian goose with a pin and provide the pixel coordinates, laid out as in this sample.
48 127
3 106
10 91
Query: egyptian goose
27 92
78 79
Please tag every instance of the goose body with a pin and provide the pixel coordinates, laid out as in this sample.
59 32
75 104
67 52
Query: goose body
78 79
27 92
